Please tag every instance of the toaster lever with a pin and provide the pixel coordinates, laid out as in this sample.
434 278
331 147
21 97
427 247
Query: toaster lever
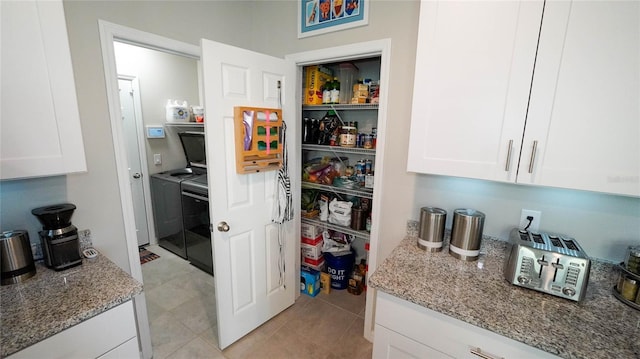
542 264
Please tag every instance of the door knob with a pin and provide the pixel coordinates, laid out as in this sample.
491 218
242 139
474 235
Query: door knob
223 227
137 175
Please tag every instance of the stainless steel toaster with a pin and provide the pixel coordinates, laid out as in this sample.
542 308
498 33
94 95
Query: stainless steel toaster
549 263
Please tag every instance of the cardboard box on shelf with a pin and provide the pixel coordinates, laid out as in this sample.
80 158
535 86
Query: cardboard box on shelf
317 264
309 281
312 251
315 77
310 230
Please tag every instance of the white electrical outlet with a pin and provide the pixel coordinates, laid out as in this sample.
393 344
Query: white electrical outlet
535 223
157 159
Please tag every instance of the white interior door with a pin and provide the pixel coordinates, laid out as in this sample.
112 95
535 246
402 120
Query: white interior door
129 124
254 267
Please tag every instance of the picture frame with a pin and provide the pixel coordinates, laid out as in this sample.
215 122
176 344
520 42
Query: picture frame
317 17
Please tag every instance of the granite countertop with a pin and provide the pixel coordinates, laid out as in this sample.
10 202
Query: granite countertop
51 301
598 327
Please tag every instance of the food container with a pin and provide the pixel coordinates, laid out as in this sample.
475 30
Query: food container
16 257
632 259
466 234
431 231
627 289
348 136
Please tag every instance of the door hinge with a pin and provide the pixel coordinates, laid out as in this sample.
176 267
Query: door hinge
210 227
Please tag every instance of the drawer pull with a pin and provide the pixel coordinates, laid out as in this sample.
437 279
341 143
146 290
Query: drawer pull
506 167
483 355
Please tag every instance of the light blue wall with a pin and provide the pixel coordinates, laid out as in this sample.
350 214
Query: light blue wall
18 198
604 225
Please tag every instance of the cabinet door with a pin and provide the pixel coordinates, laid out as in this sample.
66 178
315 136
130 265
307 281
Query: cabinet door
472 79
91 338
40 128
585 100
391 345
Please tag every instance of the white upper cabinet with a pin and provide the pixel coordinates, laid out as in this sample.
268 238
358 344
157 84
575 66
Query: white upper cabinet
495 79
585 99
473 75
40 125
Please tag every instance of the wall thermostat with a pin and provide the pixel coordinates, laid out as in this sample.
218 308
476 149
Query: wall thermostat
155 131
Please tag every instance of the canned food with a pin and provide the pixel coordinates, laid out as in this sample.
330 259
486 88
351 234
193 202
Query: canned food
368 142
367 167
368 181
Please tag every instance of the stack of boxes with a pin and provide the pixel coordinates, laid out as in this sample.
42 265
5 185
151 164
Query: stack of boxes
312 260
360 93
311 246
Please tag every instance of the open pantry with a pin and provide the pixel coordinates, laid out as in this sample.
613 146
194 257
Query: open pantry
338 143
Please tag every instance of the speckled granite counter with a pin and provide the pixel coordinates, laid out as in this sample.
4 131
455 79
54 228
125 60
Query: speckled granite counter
599 327
51 301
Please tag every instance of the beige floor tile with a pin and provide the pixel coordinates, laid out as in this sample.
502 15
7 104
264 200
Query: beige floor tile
327 322
210 335
168 335
352 345
324 327
345 300
197 349
169 296
196 314
154 311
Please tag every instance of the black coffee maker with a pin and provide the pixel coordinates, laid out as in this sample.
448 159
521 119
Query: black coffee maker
60 243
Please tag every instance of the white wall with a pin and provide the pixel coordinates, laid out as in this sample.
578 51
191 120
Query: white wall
397 20
161 76
603 224
270 27
96 191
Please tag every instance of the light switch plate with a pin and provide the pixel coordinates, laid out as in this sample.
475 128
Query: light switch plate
157 159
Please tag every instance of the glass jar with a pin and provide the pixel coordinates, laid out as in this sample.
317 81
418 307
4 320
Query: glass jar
629 289
348 136
632 260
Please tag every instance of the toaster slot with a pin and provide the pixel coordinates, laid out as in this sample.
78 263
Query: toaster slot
537 238
569 243
556 241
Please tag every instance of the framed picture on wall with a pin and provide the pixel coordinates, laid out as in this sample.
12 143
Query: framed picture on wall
322 16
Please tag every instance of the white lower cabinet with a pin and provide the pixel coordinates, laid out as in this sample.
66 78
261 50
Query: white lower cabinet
111 334
407 330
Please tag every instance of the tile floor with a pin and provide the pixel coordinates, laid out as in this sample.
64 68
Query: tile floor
182 316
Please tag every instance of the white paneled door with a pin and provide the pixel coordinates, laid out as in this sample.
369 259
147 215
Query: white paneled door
253 265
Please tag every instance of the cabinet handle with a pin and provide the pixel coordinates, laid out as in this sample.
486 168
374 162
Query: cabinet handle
483 355
506 167
533 156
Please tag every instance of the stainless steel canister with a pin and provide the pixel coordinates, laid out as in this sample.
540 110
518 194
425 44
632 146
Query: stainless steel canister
16 258
431 231
466 234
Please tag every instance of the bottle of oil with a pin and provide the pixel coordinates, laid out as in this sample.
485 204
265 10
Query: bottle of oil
356 282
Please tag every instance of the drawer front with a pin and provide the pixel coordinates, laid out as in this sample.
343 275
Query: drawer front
89 339
447 335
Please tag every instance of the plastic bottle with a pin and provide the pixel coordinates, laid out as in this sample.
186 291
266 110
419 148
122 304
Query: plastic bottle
335 91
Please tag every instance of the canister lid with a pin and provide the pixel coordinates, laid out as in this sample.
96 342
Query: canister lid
434 210
469 212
